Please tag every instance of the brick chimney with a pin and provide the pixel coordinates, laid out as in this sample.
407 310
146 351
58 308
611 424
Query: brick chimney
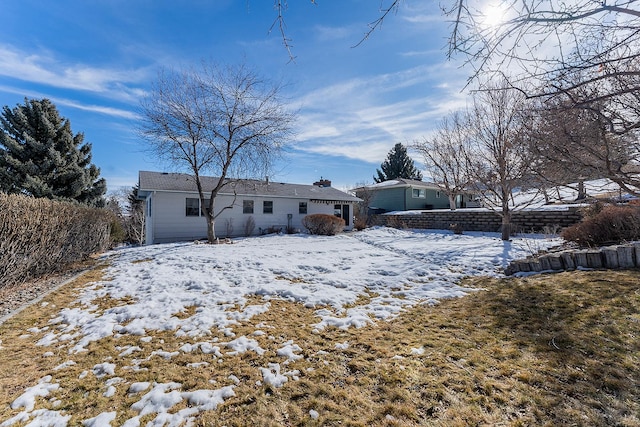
322 183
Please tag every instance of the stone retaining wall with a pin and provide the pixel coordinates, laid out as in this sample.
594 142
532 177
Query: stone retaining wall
612 257
473 220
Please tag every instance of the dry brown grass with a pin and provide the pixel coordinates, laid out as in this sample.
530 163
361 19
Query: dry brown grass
548 350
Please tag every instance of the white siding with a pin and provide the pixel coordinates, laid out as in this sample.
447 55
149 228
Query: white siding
169 223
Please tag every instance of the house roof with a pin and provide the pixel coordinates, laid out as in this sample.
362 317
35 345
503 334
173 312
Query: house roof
400 183
180 182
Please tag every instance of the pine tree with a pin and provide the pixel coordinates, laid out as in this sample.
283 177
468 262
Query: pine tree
41 157
398 164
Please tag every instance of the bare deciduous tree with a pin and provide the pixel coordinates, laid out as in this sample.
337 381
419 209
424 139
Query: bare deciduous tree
136 216
550 42
498 159
226 121
280 6
581 55
362 191
444 155
575 144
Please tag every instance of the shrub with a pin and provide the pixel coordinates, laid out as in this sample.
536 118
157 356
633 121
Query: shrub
394 221
228 225
270 230
360 223
323 224
605 225
40 236
118 232
456 228
249 226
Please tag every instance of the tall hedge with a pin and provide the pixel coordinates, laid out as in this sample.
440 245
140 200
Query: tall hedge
40 236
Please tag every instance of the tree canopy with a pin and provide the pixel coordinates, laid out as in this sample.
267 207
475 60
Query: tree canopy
398 164
41 157
582 54
223 120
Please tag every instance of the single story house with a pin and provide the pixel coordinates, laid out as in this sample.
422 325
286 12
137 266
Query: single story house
173 211
408 194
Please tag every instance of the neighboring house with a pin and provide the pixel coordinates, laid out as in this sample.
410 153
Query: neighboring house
407 194
173 206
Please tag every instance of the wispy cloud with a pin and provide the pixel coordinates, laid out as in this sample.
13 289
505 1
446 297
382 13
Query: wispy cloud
326 33
109 111
43 68
361 118
424 18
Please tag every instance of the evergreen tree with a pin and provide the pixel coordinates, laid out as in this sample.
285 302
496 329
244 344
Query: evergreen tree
135 217
132 198
397 165
41 157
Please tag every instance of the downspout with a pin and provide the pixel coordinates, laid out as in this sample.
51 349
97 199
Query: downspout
405 197
151 221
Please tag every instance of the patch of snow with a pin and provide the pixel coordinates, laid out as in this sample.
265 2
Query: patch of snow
242 345
27 399
63 365
160 399
111 389
138 387
110 392
41 418
208 400
103 369
128 350
417 351
271 375
163 397
103 419
289 350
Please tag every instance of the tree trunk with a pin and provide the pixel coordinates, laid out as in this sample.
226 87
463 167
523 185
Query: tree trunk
211 231
506 224
581 193
452 201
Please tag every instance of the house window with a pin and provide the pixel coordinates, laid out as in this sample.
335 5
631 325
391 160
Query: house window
267 207
337 210
247 206
437 194
302 208
419 193
193 207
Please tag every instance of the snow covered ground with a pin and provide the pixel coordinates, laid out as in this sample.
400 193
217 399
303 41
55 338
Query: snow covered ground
393 268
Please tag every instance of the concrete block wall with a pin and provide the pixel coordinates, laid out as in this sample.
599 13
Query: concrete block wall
472 220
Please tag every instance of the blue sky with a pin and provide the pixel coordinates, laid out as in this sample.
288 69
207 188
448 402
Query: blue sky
96 59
